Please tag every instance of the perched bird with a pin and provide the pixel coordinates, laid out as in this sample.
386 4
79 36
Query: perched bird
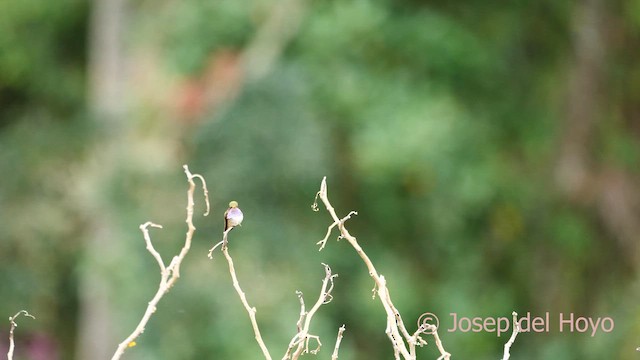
233 216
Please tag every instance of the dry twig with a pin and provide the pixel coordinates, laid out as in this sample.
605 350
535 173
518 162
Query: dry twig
169 274
334 356
516 330
403 343
14 325
300 341
222 242
250 310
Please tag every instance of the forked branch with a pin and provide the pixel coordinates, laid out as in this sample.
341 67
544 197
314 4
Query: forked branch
402 341
168 274
299 344
300 341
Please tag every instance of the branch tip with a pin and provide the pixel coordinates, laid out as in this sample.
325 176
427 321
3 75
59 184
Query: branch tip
512 339
14 325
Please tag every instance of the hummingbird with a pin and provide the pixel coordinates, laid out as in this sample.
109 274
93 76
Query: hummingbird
233 216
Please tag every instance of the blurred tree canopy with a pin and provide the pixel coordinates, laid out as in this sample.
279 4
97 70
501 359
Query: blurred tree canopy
491 150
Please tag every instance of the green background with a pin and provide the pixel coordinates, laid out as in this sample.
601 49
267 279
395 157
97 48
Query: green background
453 128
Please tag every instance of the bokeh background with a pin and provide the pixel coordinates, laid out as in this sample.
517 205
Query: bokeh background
491 149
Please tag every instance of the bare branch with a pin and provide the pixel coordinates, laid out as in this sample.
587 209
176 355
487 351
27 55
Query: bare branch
168 274
303 312
250 310
444 355
306 344
210 255
295 340
396 330
516 330
150 248
204 190
222 242
14 325
334 356
323 242
300 341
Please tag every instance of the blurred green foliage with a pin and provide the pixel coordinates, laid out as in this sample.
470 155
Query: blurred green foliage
437 121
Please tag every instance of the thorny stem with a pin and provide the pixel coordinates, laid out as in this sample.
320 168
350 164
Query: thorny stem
168 274
14 325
